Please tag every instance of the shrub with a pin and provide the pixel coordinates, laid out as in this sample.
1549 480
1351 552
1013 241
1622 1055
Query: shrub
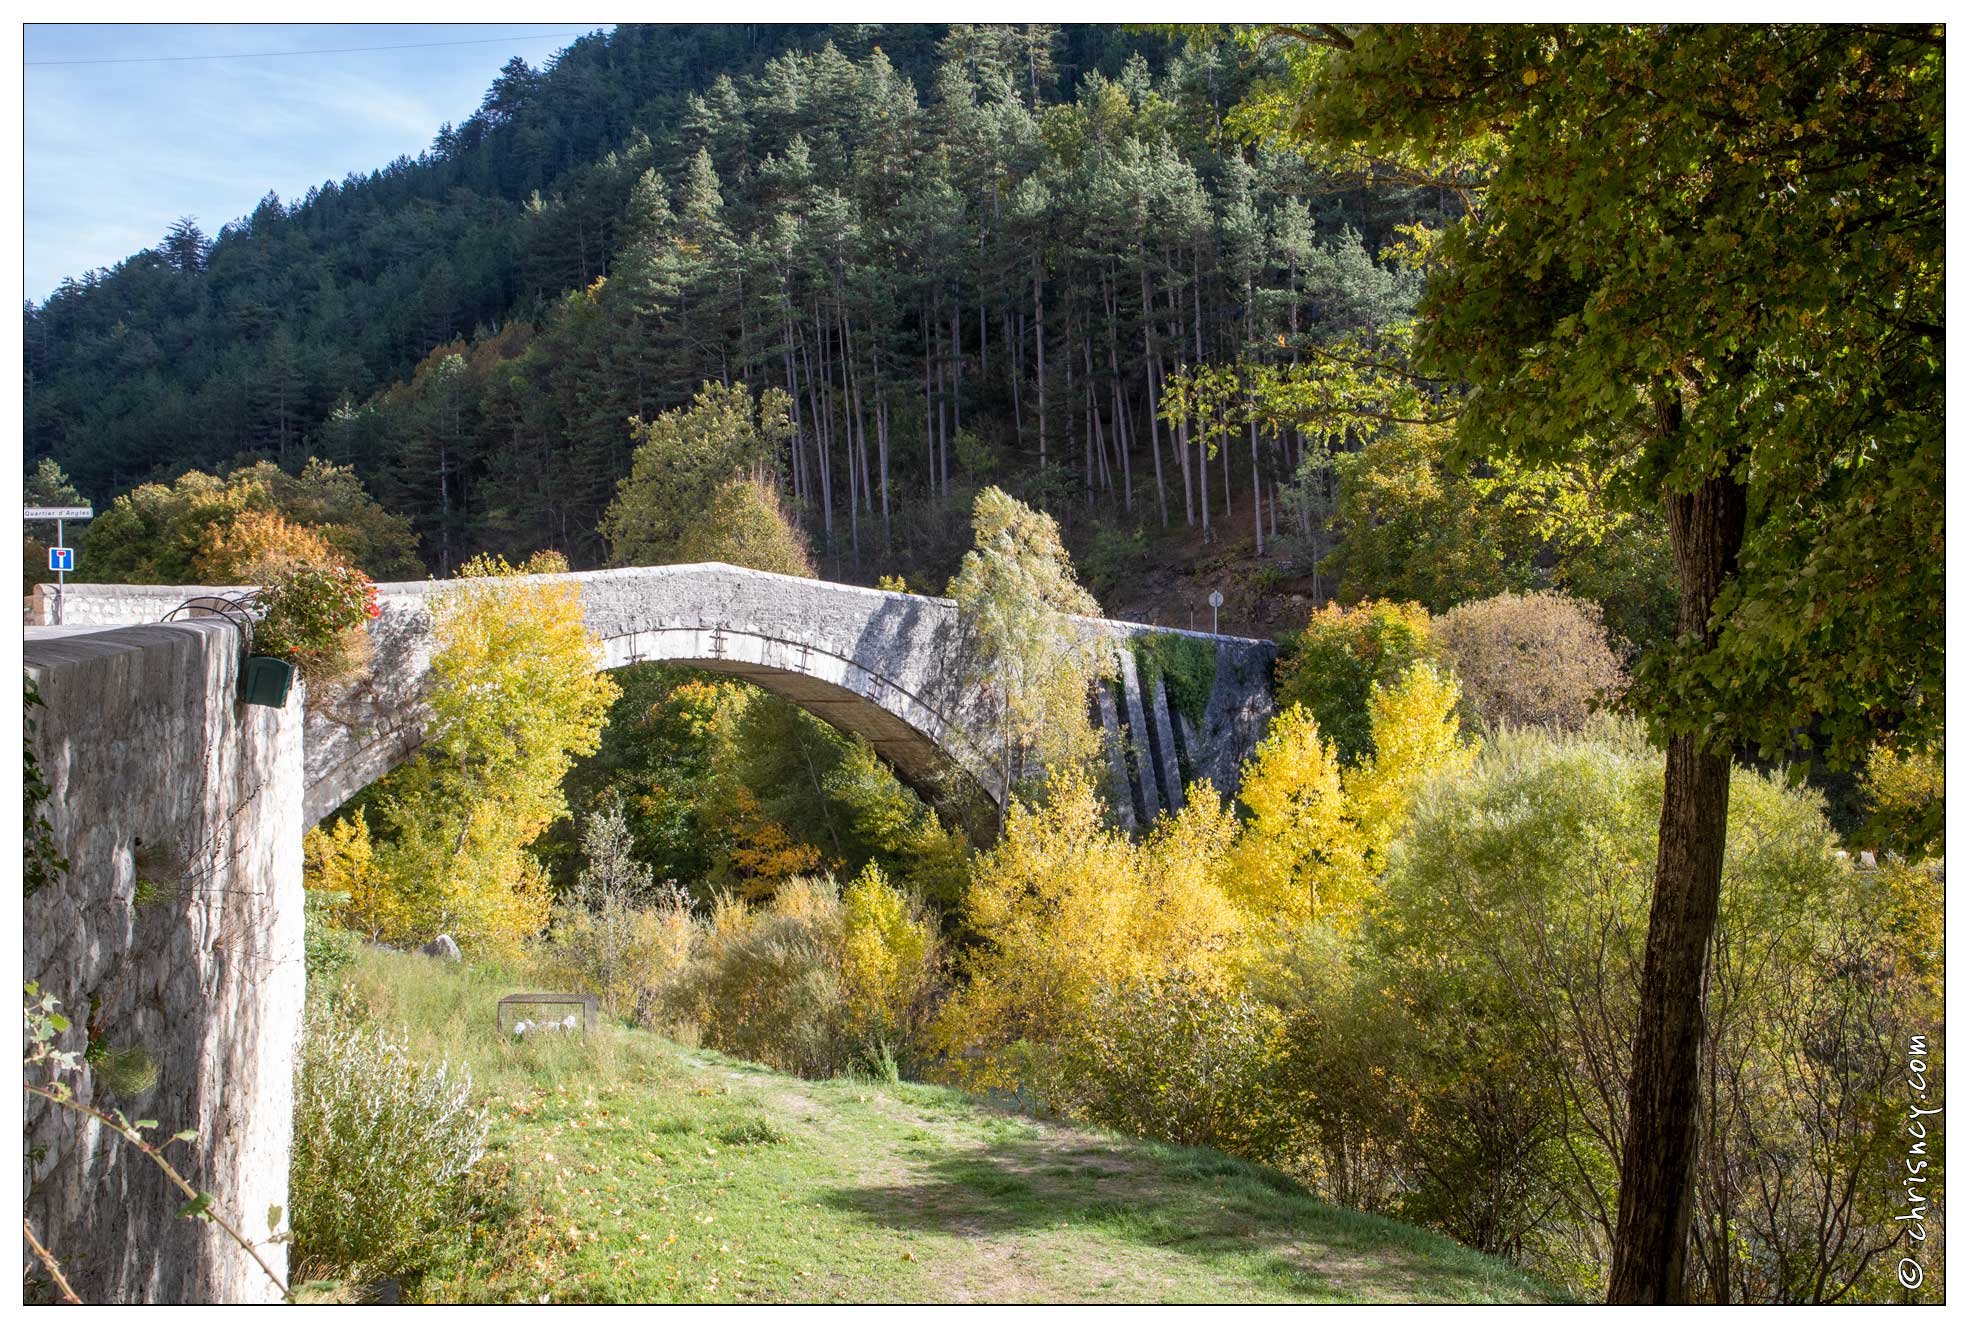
328 948
315 619
1502 1055
1538 659
621 954
763 984
814 982
1333 663
1063 905
1177 1057
888 961
383 1147
618 936
125 1071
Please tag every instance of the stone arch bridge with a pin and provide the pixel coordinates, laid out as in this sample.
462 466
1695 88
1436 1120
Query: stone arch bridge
884 665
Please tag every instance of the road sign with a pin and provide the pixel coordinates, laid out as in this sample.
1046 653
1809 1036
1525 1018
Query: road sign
1216 603
61 559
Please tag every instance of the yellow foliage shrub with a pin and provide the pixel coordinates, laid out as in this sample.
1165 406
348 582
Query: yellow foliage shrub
1318 835
887 952
815 981
1064 906
341 860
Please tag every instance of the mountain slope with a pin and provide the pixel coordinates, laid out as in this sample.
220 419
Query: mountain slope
968 255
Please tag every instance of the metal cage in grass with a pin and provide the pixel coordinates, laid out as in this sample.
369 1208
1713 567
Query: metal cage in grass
589 1009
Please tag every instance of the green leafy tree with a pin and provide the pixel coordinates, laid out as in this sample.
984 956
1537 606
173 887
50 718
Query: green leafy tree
683 459
1716 252
1337 660
747 525
47 487
1413 530
165 534
1905 803
1016 596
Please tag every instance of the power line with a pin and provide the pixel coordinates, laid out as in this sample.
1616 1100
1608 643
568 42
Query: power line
339 50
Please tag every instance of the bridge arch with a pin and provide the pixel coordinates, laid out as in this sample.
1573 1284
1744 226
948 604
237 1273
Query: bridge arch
929 751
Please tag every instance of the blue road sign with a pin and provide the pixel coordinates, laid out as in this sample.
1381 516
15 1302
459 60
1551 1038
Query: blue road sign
61 559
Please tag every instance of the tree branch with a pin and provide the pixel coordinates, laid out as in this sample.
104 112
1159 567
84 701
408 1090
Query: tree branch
51 1264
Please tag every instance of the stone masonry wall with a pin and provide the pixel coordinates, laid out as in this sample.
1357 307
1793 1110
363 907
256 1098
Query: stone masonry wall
159 775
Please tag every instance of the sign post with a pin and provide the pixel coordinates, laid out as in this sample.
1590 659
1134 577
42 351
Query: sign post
61 558
1216 602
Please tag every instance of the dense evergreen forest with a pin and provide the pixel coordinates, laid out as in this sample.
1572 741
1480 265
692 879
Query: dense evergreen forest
968 254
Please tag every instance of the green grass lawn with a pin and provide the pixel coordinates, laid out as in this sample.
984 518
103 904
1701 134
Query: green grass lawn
629 1168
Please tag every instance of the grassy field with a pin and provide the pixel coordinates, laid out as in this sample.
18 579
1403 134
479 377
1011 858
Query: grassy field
629 1168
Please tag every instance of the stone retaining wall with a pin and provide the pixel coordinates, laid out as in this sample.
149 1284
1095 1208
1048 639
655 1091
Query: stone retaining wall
159 776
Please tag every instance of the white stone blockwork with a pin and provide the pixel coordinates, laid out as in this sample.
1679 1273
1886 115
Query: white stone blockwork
159 776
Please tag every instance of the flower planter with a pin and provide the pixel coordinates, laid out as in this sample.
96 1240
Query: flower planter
265 681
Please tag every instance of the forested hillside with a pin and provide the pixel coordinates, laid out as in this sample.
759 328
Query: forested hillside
967 255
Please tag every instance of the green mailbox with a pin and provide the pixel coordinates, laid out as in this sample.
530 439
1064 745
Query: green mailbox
265 681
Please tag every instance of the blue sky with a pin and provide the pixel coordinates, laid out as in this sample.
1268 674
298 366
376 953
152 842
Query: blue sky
117 152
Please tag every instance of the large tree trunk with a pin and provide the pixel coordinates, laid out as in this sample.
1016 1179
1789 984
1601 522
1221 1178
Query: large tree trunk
1039 348
1657 1174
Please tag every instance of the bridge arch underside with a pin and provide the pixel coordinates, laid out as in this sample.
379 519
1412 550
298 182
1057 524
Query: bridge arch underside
929 753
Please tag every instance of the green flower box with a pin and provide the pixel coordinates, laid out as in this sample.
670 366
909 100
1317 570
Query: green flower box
265 681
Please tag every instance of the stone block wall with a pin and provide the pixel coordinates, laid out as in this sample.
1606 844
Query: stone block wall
159 776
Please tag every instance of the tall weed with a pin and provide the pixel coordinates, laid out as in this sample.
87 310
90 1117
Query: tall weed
383 1147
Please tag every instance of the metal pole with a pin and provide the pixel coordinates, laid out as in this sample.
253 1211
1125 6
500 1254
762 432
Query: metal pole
61 578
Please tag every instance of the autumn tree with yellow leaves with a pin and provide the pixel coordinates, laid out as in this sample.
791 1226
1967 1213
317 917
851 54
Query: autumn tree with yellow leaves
1319 831
516 692
1070 911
